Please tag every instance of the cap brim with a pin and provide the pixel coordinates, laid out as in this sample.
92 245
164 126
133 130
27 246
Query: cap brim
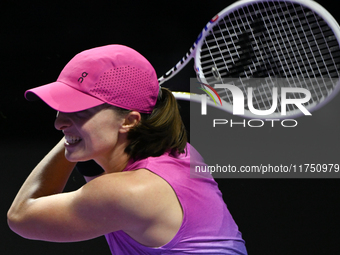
62 97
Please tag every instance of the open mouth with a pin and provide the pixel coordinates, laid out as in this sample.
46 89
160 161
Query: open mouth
70 140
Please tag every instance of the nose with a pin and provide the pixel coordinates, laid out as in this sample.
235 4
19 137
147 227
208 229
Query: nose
62 121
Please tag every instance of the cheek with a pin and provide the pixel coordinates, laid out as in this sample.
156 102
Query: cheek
103 134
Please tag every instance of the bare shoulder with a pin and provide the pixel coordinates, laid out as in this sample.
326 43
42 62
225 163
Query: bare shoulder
136 182
146 201
131 190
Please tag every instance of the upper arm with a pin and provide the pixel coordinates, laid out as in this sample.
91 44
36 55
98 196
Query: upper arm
106 204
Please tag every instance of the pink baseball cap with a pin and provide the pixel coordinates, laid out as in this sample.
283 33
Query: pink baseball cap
113 74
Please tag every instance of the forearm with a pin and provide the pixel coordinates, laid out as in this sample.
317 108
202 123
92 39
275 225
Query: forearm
48 177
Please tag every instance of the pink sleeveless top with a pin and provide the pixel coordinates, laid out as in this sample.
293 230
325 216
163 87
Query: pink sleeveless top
207 227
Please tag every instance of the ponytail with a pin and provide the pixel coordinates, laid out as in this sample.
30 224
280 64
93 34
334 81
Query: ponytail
163 130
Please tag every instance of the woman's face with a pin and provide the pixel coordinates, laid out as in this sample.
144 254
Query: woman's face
91 134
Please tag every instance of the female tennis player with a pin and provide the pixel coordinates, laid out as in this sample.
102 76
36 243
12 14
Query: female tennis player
112 110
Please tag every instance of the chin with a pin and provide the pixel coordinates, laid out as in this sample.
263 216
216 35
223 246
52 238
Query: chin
75 158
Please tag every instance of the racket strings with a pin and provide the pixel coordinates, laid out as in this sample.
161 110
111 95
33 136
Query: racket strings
295 64
279 40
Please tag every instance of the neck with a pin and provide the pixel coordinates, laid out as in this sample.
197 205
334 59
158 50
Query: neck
116 162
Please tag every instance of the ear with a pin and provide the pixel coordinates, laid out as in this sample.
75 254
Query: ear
130 120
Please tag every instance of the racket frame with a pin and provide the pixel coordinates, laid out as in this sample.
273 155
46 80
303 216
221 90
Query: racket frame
194 52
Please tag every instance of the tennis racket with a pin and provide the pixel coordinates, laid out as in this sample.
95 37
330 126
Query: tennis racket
277 43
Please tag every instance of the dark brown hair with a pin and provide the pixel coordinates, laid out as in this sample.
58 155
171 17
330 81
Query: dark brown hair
162 130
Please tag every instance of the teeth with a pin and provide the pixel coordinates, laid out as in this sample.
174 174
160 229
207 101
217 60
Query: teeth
72 139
